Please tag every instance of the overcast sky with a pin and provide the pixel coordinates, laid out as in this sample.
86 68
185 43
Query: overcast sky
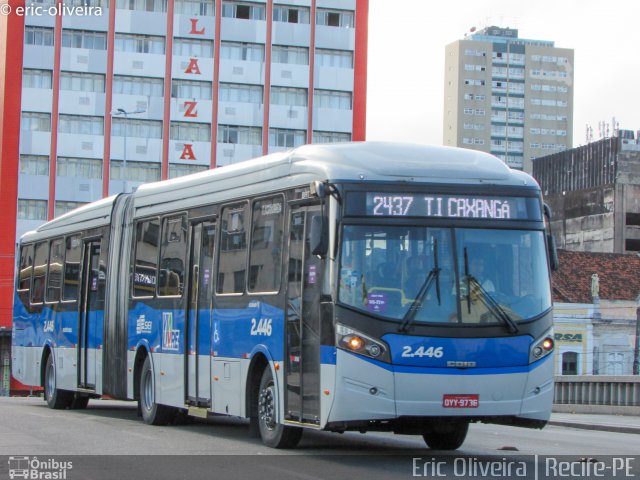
406 58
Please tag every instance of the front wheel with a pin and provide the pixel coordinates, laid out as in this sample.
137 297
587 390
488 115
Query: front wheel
273 434
152 413
450 438
56 398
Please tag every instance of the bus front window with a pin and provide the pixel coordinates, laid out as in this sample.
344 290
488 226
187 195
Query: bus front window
409 274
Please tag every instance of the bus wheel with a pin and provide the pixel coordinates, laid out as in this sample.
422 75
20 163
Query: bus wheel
273 434
57 399
450 439
79 403
152 413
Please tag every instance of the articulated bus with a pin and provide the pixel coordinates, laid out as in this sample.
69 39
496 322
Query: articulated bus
358 286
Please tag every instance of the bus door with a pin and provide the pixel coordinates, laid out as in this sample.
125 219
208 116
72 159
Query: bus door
90 306
302 330
198 352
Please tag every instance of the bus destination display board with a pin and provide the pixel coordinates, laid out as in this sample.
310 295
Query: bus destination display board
387 204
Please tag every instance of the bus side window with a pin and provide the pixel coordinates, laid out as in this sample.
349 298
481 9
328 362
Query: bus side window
146 259
71 268
172 256
265 258
24 276
54 275
233 249
40 257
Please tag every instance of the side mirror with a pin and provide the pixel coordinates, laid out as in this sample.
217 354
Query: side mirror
319 235
554 263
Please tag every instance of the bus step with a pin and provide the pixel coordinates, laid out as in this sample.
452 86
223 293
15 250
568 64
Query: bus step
199 412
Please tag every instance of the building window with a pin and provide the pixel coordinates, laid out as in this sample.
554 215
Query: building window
236 92
34 165
82 82
41 36
267 239
290 14
334 58
133 127
335 18
190 132
233 249
90 168
146 86
569 363
282 137
139 43
180 169
251 52
243 10
331 137
84 39
63 207
143 5
195 7
191 89
332 99
292 97
240 135
145 272
290 55
32 209
192 47
81 124
32 78
136 171
35 122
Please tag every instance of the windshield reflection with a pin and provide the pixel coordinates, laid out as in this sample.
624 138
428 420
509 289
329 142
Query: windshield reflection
413 274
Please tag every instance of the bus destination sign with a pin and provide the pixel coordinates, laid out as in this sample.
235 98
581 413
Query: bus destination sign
386 204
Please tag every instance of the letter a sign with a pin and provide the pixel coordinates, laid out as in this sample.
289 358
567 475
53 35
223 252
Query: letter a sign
193 67
187 152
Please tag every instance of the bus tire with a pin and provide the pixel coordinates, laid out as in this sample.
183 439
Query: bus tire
273 434
79 403
451 439
152 413
56 398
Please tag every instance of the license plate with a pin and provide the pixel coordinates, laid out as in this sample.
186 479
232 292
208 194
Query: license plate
461 401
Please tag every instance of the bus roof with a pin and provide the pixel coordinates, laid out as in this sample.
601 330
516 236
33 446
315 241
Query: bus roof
356 161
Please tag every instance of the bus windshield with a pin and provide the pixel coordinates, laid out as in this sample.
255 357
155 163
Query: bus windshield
416 275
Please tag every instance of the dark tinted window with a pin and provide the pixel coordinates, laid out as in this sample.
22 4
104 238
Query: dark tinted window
54 278
233 249
73 254
266 245
146 260
172 256
39 272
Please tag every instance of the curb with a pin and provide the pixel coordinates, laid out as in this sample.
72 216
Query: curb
596 426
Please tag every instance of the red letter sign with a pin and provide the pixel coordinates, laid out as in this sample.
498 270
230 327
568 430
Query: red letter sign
190 109
193 31
193 67
187 152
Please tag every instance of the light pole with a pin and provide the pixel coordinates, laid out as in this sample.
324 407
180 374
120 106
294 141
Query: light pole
125 114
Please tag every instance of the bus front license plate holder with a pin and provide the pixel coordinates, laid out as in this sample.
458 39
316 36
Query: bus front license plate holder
461 400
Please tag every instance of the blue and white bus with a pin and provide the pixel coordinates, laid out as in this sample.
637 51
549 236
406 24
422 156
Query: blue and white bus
364 286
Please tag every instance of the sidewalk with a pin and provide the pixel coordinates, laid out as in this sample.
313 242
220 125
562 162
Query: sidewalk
590 421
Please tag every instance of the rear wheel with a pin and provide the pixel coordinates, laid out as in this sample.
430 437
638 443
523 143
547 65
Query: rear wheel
449 437
56 398
152 413
79 403
273 434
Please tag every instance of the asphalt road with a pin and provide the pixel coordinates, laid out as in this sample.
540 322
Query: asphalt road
220 448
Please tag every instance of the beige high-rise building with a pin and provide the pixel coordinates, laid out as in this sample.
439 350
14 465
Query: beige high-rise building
508 96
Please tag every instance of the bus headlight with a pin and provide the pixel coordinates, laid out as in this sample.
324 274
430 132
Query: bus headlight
353 341
542 347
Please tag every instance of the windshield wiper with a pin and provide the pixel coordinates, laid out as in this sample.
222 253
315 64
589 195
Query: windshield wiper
416 305
494 307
